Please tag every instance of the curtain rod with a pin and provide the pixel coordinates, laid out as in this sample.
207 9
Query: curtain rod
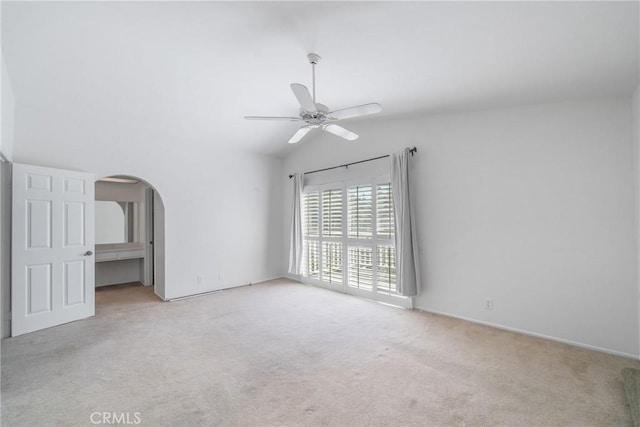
346 165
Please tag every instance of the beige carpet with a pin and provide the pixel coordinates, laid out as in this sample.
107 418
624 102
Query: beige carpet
281 353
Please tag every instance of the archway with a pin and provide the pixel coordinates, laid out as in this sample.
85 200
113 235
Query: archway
129 233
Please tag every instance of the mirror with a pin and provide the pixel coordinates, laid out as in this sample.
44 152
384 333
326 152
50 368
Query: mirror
115 222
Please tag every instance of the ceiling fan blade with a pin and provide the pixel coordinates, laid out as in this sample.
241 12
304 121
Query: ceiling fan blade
341 132
360 110
304 97
300 133
289 119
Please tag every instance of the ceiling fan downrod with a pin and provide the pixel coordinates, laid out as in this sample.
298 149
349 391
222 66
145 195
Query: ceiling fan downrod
313 58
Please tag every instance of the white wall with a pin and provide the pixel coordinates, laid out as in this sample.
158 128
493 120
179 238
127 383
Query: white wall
222 208
121 192
7 108
532 206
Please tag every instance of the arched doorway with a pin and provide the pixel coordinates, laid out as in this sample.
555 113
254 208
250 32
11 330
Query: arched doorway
129 233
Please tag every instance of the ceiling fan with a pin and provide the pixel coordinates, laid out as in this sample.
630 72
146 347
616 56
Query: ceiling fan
316 115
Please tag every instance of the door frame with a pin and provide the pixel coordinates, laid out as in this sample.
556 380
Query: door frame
149 275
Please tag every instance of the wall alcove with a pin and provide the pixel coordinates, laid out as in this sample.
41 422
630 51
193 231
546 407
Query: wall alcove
129 233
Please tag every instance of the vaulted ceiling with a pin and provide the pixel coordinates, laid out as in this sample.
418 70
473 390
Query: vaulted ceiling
192 70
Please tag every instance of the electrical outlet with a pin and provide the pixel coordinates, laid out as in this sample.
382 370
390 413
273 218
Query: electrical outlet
488 303
219 276
199 280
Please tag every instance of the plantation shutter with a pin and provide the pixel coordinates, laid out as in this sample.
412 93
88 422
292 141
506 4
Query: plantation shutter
360 212
311 259
311 229
332 262
311 214
384 211
361 268
349 238
386 268
332 213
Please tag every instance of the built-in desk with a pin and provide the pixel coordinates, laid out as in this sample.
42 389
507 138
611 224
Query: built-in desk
119 251
119 263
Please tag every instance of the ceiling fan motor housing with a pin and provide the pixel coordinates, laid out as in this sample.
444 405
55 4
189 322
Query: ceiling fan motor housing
313 58
318 117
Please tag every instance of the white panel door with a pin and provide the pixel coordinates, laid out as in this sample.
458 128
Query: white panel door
52 274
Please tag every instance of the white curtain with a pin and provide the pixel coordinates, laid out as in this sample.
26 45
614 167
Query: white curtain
407 272
295 243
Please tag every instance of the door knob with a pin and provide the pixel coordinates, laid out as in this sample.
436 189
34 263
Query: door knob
88 253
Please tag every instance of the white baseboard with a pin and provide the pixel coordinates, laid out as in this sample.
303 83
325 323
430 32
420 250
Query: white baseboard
201 294
212 291
273 278
534 334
